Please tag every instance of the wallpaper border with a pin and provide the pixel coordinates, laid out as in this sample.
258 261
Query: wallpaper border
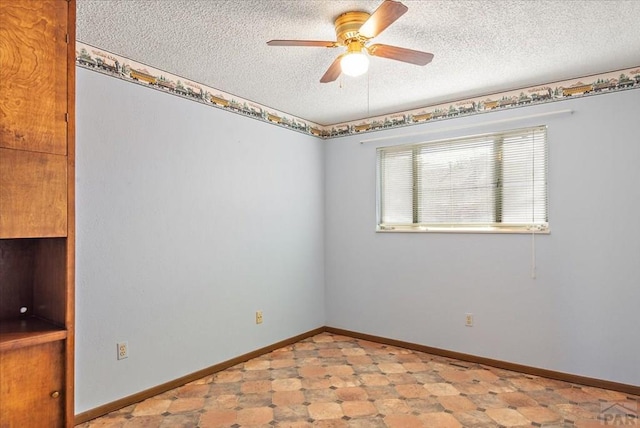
100 60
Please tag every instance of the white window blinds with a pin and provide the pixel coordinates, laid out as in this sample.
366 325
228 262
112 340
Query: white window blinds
488 182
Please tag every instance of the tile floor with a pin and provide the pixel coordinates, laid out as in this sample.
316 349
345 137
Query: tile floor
337 381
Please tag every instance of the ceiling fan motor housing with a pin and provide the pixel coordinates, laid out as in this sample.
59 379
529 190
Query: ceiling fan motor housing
348 26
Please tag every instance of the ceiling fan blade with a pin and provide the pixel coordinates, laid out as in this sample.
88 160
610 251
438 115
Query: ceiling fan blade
333 72
313 43
400 54
386 14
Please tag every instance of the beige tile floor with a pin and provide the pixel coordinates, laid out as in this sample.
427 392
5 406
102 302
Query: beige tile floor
336 381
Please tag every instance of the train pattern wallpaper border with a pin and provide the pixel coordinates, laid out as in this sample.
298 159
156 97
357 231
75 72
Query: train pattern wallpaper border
99 60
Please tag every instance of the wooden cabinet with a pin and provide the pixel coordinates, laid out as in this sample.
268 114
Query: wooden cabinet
32 387
37 212
33 194
33 75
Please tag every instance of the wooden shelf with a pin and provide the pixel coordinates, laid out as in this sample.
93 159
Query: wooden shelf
18 333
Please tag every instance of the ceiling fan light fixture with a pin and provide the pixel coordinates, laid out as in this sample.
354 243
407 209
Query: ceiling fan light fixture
354 63
355 29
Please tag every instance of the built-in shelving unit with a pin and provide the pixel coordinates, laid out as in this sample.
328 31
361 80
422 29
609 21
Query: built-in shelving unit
37 213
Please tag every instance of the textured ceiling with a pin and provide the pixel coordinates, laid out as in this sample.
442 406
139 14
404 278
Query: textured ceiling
480 46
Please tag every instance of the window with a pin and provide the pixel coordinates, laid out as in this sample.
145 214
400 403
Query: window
493 182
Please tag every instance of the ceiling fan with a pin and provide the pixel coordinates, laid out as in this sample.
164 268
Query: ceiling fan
354 30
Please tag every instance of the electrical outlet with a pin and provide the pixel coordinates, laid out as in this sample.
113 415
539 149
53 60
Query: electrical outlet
258 317
468 320
123 350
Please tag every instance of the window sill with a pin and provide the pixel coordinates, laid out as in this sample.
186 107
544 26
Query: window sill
482 230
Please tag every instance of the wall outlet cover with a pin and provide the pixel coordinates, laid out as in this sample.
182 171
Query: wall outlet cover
123 350
468 320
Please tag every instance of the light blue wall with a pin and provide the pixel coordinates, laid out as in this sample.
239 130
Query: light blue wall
189 219
578 316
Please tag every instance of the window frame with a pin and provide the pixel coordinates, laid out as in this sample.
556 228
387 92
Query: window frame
496 227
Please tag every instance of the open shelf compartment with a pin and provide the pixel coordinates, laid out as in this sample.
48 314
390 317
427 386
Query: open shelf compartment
33 294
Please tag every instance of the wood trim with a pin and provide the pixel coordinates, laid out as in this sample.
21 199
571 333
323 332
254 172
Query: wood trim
567 377
69 410
148 393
